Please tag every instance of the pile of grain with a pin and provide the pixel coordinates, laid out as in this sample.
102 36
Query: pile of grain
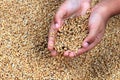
72 34
24 26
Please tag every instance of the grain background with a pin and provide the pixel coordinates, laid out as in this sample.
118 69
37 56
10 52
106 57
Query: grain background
24 26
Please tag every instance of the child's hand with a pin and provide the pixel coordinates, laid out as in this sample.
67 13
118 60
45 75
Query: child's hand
68 8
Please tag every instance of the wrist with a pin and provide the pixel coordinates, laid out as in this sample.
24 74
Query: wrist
101 11
107 8
112 7
105 12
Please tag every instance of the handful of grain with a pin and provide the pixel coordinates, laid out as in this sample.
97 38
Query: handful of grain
72 34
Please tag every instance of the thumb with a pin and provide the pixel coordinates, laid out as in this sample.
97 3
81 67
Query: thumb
59 18
89 39
93 30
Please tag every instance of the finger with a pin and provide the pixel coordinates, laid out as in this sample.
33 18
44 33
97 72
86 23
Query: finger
69 53
94 29
85 49
56 24
51 37
93 44
72 54
66 53
53 53
90 38
59 17
85 7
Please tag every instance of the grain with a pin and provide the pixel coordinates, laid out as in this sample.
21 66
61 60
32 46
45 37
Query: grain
24 26
72 34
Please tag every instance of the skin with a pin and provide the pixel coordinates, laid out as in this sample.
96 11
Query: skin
97 22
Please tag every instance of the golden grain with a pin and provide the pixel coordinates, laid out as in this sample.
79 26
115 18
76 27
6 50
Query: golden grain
24 26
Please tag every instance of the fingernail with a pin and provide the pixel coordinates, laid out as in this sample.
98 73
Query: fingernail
57 25
85 44
66 53
72 54
53 53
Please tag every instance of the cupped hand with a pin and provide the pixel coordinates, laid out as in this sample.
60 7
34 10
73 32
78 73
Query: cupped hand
96 25
67 9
